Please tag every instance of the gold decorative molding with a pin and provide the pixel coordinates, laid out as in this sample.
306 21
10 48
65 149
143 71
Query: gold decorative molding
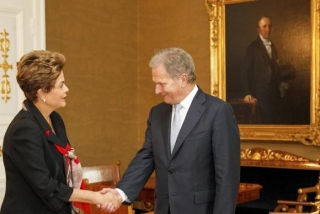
0 151
213 9
318 11
260 157
5 87
268 154
210 6
313 138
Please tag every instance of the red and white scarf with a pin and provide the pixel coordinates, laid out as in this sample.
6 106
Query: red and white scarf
73 172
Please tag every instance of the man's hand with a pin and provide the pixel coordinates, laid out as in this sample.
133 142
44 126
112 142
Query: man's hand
249 99
113 200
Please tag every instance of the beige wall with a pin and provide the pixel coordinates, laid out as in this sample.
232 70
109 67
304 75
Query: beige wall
164 23
108 45
100 41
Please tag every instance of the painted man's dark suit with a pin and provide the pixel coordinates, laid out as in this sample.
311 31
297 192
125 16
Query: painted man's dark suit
35 177
260 78
201 176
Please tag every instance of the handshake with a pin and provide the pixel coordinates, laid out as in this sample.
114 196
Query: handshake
109 200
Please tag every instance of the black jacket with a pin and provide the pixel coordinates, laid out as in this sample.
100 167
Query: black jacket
35 176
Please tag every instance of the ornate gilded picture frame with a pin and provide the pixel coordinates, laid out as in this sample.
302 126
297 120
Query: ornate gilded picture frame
308 134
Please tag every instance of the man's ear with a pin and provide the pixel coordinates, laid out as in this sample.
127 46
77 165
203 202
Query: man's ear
184 79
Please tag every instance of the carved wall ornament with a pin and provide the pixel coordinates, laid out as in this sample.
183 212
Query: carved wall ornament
261 157
271 155
5 87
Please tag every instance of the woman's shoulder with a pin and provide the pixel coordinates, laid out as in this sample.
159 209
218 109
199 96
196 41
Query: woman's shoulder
22 129
22 121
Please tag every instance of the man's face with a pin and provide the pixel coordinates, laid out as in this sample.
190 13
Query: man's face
264 27
170 89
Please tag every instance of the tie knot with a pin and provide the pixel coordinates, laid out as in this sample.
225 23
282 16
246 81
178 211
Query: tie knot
177 107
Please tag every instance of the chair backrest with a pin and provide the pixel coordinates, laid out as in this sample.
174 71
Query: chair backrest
107 174
99 177
285 207
305 195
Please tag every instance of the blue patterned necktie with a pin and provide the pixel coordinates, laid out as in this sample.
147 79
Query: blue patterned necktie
176 125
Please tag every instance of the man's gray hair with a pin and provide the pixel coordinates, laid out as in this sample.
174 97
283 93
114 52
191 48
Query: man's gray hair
175 61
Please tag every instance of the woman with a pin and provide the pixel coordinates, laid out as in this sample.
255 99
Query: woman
42 173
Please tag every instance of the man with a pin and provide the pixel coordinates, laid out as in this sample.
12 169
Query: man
260 76
199 172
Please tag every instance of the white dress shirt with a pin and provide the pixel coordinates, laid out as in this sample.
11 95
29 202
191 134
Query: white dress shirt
186 103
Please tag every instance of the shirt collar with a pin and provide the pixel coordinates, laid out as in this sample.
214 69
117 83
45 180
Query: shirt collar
186 102
265 41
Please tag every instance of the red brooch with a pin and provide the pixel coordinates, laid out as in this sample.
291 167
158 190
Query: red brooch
47 132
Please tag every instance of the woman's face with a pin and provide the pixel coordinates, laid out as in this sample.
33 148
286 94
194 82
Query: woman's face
56 98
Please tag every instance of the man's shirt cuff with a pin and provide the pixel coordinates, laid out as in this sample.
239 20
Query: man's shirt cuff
123 195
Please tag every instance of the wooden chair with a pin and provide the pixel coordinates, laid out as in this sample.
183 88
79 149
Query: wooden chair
104 174
290 207
304 195
99 177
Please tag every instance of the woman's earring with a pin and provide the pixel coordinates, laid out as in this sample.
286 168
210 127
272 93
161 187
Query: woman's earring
43 100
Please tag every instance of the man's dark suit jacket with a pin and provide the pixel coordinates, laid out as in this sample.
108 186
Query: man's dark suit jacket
35 177
260 78
201 176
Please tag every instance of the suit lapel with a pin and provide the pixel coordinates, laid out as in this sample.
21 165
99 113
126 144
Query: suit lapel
193 116
44 126
263 50
274 52
165 127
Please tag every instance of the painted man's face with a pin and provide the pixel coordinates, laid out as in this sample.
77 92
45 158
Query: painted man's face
264 27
